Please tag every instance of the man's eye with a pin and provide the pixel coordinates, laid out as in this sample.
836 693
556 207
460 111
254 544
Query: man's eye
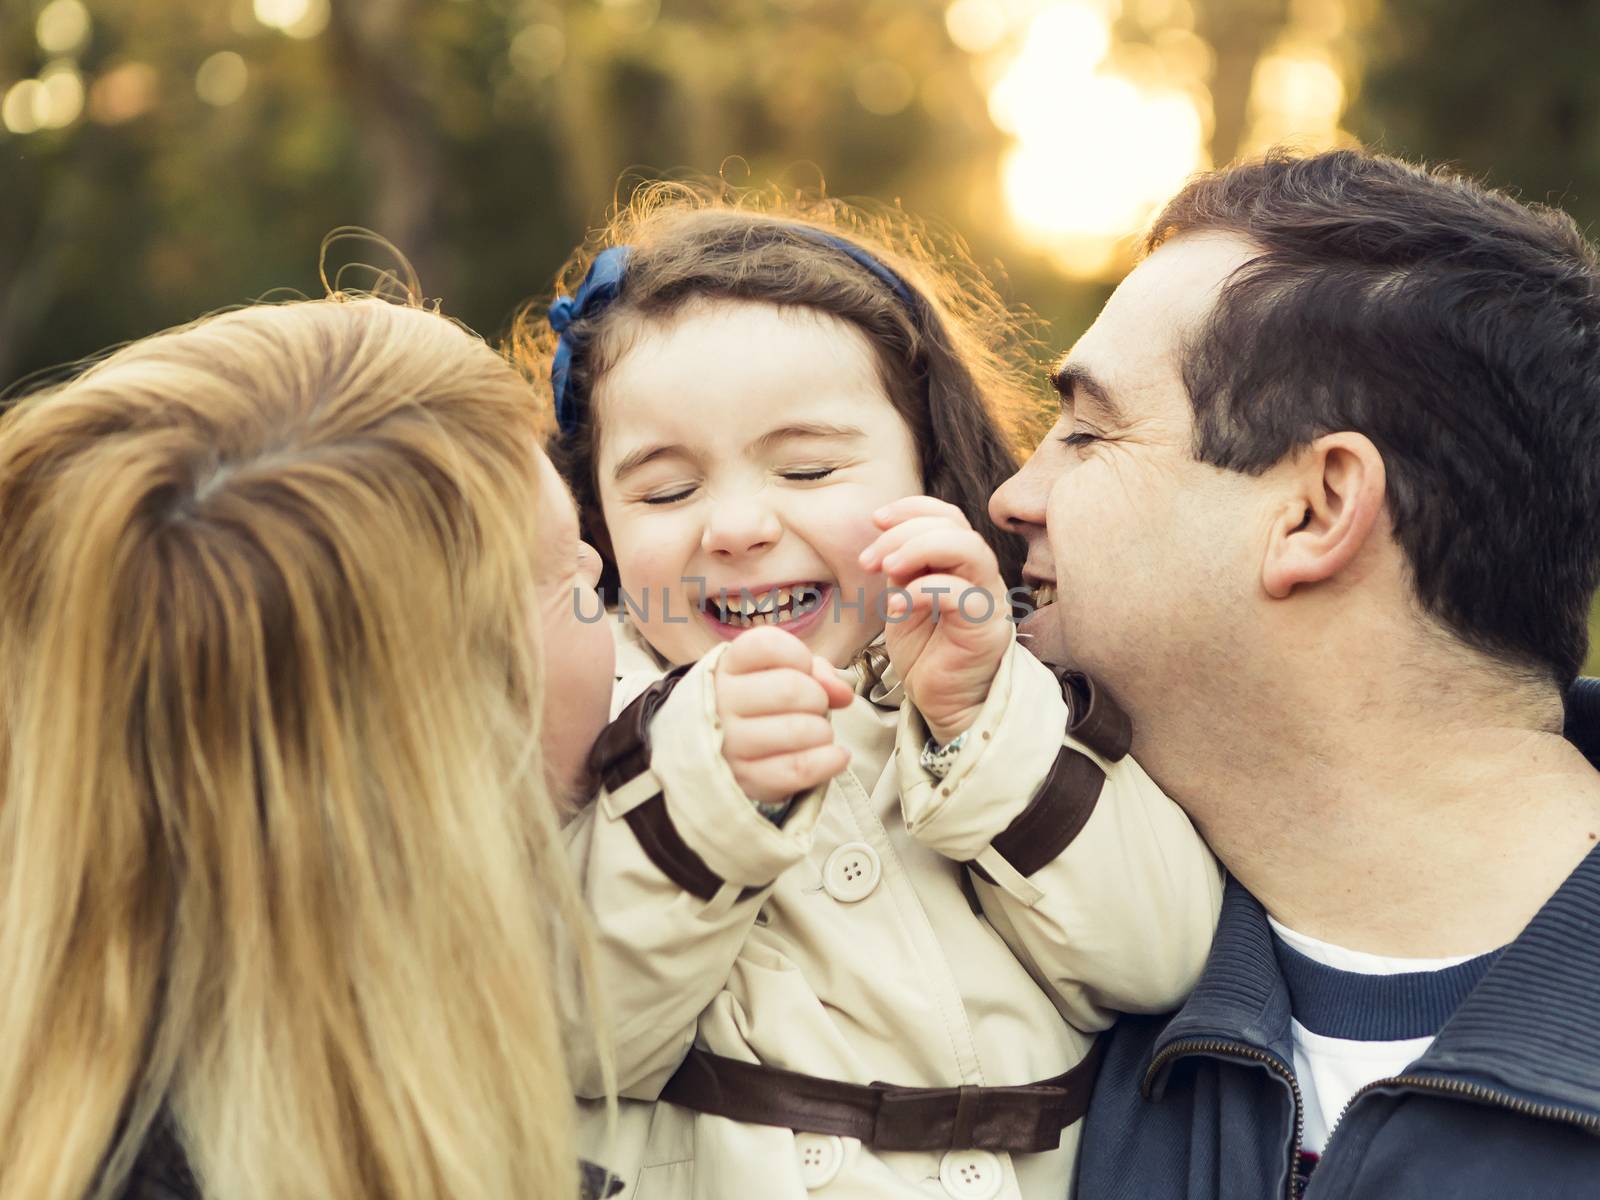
1079 438
669 497
819 473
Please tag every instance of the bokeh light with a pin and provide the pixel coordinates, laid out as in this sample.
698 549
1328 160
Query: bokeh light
538 51
977 26
52 101
1298 96
1097 147
884 88
222 79
123 93
296 18
631 16
19 110
61 95
63 27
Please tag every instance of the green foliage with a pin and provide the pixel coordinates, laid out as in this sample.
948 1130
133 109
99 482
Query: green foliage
1507 92
482 137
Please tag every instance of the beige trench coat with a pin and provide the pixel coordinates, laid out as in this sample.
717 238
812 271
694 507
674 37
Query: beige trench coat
862 958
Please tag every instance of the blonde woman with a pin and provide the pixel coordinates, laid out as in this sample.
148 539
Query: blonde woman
286 599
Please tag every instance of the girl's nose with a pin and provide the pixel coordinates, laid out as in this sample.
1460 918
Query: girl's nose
740 525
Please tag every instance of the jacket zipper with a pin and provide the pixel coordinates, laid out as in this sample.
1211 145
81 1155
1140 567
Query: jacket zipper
1469 1091
1424 1083
1240 1050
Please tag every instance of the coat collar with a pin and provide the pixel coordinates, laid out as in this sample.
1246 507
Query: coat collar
1533 1025
1241 996
1530 1026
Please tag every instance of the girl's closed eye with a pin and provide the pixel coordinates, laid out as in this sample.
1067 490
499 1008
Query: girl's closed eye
670 495
807 474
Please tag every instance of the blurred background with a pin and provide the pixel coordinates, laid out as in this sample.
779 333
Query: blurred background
161 158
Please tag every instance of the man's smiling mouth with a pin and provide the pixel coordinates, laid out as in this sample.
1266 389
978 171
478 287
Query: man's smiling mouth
1041 588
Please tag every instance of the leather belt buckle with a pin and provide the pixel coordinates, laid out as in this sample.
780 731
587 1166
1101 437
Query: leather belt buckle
914 1118
1020 1119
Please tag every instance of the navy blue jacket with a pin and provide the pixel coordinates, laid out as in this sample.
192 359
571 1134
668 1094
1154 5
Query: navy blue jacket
1505 1105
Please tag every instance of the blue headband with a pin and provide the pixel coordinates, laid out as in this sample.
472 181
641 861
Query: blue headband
604 281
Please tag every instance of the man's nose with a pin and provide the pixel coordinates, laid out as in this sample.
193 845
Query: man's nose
740 525
1020 501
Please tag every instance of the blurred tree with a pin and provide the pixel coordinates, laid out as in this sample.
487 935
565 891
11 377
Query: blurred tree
1509 92
1240 33
375 61
220 141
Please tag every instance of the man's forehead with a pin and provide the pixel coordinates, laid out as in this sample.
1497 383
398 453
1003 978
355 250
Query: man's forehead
1180 282
1136 340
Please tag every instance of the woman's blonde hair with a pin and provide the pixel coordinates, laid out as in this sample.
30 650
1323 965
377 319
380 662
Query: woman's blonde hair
278 861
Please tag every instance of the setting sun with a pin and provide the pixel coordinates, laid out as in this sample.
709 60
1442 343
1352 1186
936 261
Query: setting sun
1095 151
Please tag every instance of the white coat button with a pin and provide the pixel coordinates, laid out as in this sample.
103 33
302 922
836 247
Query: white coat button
971 1174
821 1156
851 872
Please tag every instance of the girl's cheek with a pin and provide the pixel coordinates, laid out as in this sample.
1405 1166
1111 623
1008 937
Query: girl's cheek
856 528
648 562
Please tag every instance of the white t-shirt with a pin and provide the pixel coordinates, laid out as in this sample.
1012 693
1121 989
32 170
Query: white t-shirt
1341 1047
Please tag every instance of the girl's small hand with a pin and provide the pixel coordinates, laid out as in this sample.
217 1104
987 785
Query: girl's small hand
947 644
773 697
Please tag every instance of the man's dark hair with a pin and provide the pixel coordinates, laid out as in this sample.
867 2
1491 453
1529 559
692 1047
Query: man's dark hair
1456 328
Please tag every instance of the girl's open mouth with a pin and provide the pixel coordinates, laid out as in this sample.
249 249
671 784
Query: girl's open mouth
795 607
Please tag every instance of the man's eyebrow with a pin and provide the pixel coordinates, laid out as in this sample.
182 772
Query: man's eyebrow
634 459
1070 379
806 429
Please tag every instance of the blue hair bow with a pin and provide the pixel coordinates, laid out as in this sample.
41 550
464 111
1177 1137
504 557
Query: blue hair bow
604 280
598 289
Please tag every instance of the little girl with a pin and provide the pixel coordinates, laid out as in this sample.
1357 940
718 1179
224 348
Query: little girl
867 877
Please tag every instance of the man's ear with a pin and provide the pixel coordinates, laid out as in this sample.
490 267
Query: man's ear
1337 496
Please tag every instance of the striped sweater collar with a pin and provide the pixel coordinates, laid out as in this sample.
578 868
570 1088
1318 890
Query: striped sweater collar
1531 1025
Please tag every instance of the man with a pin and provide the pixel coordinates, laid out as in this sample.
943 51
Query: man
1321 510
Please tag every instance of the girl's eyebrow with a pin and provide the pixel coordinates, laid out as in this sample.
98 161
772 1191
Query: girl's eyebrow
645 455
806 429
634 459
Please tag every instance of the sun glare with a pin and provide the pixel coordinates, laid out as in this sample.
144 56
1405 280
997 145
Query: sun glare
1296 96
1095 151
297 18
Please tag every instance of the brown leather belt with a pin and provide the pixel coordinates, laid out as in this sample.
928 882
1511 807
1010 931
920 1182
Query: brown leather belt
1021 1120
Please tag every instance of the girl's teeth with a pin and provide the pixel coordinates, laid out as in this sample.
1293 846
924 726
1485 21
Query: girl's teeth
769 608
